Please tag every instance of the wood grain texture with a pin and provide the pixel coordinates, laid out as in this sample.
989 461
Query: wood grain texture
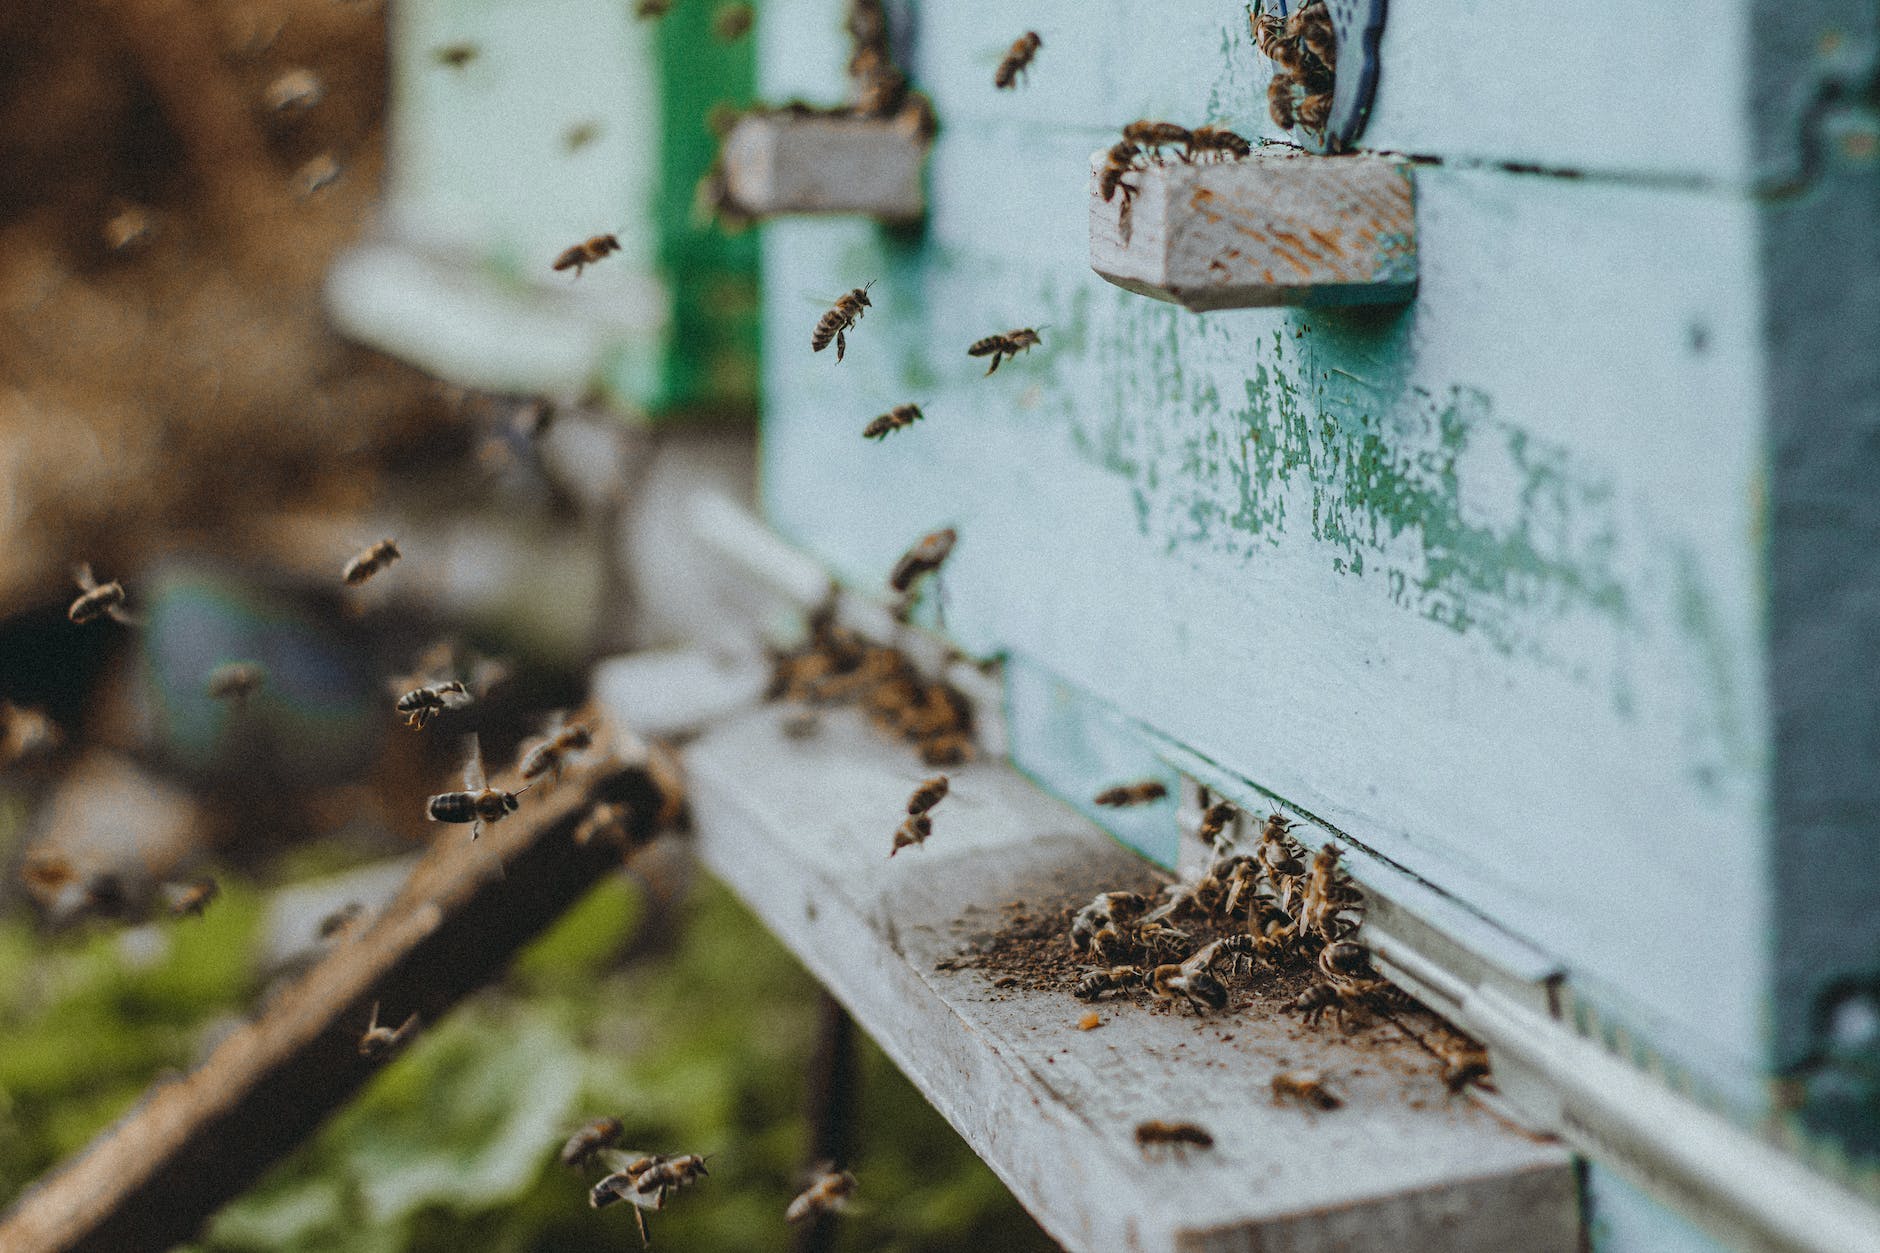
782 164
1278 228
195 1143
800 829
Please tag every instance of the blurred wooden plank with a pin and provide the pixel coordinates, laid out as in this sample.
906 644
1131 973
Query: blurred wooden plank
782 163
193 1144
800 828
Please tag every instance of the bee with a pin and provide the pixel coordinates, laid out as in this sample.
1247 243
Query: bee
1244 949
1158 939
609 821
368 563
917 120
1304 1086
1269 35
580 256
1115 979
128 229
1215 821
880 86
1157 135
378 1041
1279 100
867 23
315 175
1120 160
341 920
891 421
651 9
1315 110
478 803
1184 1134
97 600
1345 962
295 91
1017 60
1105 910
1218 140
1113 943
26 735
421 704
188 900
580 135
456 56
913 831
835 324
922 559
930 793
1311 25
1340 997
999 347
235 681
732 22
830 1193
1327 891
602 1133
1464 1062
1190 983
1143 793
549 754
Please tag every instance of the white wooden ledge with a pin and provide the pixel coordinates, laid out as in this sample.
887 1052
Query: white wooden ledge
801 830
780 163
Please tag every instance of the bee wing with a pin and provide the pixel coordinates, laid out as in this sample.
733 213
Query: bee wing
82 574
120 614
473 777
621 1160
438 661
1202 958
487 673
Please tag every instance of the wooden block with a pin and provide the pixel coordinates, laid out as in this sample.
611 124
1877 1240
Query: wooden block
800 828
1277 228
816 163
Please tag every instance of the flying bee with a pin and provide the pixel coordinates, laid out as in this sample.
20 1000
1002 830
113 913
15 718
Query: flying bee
97 600
930 793
478 803
893 420
1017 60
421 704
923 558
368 563
1116 979
1143 793
999 347
579 256
911 832
316 174
235 681
602 1133
1120 160
26 735
1315 110
1279 100
732 22
1157 135
835 324
1304 1086
1181 1134
378 1041
129 228
295 91
580 135
651 9
1215 821
1218 140
188 900
830 1193
1190 984
549 754
456 56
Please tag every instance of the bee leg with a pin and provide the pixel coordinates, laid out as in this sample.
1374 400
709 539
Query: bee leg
841 346
996 357
476 829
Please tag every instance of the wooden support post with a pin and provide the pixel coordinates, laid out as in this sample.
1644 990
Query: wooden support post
194 1144
1278 228
834 1089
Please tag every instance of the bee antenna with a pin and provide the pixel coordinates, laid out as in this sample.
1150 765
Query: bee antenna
519 791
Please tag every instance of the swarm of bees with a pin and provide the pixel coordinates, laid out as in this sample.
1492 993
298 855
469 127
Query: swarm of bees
578 257
1017 60
836 666
834 325
999 347
1304 46
891 421
1142 145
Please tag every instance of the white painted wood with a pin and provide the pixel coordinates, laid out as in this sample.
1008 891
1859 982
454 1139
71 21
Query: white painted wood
801 828
1278 228
783 163
669 693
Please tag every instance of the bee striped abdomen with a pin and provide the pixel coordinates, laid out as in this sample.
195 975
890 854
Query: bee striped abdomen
454 807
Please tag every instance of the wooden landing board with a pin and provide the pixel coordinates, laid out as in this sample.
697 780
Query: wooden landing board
801 828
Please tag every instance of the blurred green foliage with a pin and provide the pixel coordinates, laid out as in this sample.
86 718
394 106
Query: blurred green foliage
698 1044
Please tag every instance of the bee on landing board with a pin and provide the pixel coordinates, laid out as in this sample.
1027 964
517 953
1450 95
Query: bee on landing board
1017 60
1159 1131
1307 1087
922 559
549 754
1120 160
580 256
97 600
378 1041
1143 793
1215 821
1155 136
830 1193
891 421
1116 979
842 316
368 563
1191 983
1218 140
602 1133
1464 1062
478 803
235 681
999 347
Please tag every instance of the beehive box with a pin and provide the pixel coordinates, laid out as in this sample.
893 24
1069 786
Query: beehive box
1550 586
